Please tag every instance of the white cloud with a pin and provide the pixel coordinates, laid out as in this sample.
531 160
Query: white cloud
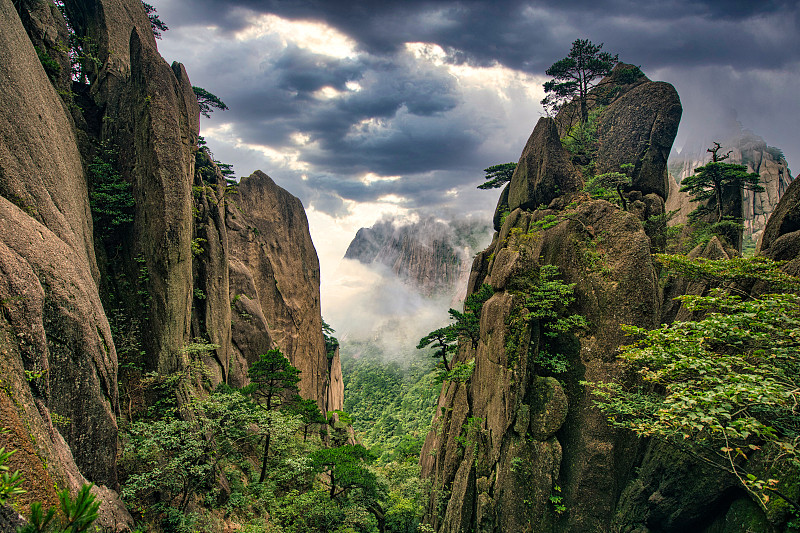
315 37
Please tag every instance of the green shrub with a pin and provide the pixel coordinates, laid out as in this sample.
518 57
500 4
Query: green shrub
110 196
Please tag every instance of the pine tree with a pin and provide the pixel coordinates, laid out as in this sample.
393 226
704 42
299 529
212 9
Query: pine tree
575 75
273 383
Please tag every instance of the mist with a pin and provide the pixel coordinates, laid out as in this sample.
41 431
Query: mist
374 310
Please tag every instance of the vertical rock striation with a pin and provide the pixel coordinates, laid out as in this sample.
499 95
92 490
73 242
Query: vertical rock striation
274 283
184 268
429 255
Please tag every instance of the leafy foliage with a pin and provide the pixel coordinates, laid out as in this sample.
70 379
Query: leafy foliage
345 468
331 342
208 102
545 302
610 186
9 483
172 457
498 175
575 75
156 24
51 67
392 402
273 383
580 140
724 387
466 326
110 196
273 379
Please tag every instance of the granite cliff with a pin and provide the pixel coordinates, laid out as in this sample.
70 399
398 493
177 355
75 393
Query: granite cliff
519 446
526 431
83 291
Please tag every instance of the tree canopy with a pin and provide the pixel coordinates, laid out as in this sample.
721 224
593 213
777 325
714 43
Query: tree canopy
710 180
724 388
208 101
156 24
273 383
575 75
497 175
466 326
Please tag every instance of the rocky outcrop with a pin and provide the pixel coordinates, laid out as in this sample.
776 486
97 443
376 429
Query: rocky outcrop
334 398
41 170
274 283
638 128
211 307
502 210
532 432
519 446
544 171
165 276
56 326
148 113
636 123
781 238
430 255
747 149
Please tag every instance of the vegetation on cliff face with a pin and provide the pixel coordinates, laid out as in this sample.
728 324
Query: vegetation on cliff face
189 307
497 176
466 327
723 388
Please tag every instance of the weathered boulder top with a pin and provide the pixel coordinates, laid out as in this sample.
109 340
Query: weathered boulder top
786 217
544 171
637 124
639 128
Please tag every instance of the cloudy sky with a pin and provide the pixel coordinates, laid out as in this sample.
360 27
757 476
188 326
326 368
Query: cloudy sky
365 109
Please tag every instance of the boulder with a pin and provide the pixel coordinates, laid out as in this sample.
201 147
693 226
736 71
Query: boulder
781 238
785 218
544 171
639 128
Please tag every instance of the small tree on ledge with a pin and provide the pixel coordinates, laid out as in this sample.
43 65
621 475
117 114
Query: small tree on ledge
273 383
710 181
575 75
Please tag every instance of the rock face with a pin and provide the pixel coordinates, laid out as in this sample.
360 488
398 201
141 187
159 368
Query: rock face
637 123
544 171
519 446
781 238
430 255
534 432
639 128
747 149
49 269
186 264
274 282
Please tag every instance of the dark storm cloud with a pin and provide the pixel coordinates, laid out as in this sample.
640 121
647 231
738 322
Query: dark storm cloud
408 117
305 72
530 35
402 101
